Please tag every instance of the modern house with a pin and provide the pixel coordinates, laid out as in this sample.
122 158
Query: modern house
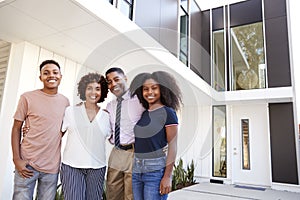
233 60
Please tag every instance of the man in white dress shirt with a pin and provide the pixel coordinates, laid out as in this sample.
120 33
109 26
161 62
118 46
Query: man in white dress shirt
119 174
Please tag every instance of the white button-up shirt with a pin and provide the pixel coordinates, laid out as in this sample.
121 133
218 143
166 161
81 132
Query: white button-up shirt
131 112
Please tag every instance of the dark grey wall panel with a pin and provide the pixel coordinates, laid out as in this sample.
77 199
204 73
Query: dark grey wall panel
205 27
277 44
195 38
169 25
245 12
283 146
159 19
147 16
277 49
275 8
205 20
217 19
205 43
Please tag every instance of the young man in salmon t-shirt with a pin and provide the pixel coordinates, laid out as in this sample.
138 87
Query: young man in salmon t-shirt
37 155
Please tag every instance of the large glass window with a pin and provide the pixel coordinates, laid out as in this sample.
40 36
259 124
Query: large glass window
248 57
219 61
184 32
219 141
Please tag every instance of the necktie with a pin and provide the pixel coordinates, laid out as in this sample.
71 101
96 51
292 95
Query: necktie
117 123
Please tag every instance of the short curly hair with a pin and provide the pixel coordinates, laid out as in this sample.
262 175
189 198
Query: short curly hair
46 62
91 78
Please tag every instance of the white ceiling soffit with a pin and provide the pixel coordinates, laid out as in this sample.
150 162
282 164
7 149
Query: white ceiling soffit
57 25
63 26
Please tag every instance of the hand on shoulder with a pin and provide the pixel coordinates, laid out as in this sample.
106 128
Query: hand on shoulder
79 104
105 111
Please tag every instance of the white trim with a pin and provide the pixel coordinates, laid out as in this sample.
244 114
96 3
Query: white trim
229 50
265 44
211 43
189 34
225 49
293 82
286 187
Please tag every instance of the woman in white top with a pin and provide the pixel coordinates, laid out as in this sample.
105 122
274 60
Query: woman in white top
84 161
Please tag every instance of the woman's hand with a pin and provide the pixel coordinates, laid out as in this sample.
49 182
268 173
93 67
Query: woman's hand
166 181
25 130
165 185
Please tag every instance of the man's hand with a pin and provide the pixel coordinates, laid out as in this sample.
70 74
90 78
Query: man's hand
22 169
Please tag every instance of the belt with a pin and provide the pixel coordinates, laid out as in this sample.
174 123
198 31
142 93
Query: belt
125 147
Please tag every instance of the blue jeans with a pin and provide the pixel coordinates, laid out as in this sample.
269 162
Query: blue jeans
146 179
24 187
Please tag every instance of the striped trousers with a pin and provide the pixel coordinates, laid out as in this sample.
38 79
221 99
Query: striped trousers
82 183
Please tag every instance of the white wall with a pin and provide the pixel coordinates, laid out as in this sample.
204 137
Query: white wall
8 105
195 139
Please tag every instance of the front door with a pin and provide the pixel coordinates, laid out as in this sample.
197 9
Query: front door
250 145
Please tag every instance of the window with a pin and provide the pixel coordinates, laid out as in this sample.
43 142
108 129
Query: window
4 57
246 144
219 141
238 48
248 57
126 7
219 61
184 32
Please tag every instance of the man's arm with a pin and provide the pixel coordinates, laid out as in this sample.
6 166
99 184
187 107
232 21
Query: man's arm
109 110
15 143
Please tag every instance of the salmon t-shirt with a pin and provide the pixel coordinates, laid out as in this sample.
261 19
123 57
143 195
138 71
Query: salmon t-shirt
43 113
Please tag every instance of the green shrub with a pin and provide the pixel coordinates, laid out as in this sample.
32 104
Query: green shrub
181 177
59 193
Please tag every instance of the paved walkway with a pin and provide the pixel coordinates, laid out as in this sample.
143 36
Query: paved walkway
210 191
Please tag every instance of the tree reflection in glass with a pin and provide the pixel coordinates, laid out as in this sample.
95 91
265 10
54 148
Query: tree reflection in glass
248 57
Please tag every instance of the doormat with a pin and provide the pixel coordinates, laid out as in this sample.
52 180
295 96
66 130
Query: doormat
250 187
